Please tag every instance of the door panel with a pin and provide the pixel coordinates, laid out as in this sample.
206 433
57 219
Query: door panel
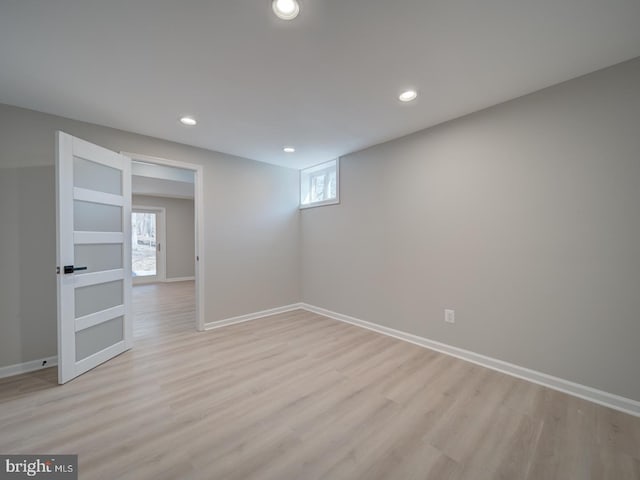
95 217
98 337
93 212
99 257
95 298
97 177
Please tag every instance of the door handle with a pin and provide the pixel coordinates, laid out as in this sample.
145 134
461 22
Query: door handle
70 269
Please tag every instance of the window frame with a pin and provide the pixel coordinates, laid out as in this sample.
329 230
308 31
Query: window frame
332 201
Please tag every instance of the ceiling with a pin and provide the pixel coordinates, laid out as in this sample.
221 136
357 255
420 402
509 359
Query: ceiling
325 83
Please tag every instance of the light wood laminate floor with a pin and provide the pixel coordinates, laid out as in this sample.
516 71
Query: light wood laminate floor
300 396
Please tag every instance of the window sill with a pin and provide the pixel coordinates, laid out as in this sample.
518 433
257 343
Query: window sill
334 201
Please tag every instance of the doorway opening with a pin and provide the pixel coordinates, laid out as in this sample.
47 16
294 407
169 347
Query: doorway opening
167 227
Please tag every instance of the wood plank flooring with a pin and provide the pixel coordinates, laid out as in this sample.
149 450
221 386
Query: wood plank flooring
300 396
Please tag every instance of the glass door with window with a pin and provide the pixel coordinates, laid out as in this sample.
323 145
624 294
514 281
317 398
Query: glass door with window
146 261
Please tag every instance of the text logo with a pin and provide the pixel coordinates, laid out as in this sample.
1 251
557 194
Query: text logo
44 467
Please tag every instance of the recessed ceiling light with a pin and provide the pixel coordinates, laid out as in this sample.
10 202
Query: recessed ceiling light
188 121
285 9
408 96
289 149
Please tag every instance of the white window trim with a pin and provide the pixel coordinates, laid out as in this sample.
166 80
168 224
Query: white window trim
333 201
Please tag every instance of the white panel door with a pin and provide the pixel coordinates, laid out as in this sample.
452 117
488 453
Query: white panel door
94 255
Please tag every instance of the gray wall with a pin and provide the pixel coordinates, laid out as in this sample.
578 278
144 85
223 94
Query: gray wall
251 232
180 241
27 264
524 218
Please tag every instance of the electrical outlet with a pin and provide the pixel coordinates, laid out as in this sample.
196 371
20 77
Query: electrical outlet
449 316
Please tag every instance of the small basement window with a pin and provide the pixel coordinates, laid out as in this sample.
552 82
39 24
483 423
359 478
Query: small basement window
319 185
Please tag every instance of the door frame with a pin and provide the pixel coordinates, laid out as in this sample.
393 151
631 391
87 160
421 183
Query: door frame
198 204
161 235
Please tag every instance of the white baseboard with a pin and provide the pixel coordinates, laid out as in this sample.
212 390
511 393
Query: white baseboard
26 367
252 316
179 279
600 397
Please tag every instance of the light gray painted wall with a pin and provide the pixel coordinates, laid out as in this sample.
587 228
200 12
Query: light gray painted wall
524 218
27 264
251 232
180 241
